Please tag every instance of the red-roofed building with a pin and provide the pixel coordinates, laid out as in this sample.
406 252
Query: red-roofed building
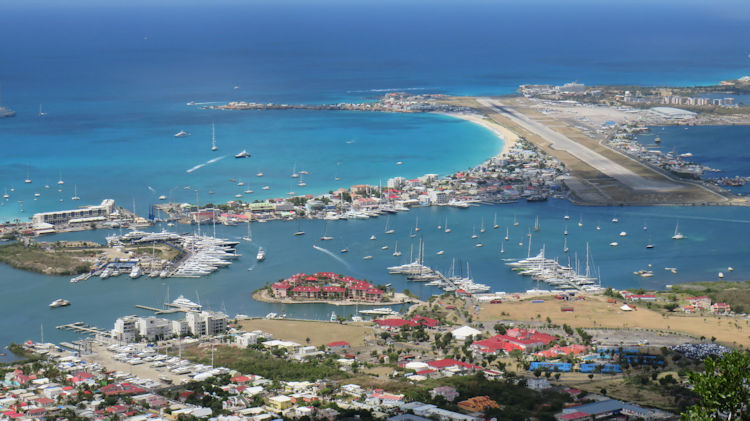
373 294
305 292
339 344
452 365
44 402
494 345
557 350
241 379
527 338
720 308
121 389
280 289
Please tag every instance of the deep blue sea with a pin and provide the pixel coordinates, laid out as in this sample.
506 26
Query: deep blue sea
114 80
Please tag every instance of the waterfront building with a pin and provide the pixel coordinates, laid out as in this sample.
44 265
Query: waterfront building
152 328
92 213
125 329
206 322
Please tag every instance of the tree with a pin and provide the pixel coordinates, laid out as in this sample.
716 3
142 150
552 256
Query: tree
722 388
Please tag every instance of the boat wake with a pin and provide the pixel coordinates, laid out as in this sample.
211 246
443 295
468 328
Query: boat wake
209 162
337 258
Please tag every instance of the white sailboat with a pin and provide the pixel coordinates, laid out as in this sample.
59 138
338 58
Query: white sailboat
28 176
416 225
75 193
502 247
507 234
677 234
41 113
213 137
481 227
294 171
536 224
494 223
325 236
474 233
388 229
60 180
515 221
565 245
249 237
396 252
446 225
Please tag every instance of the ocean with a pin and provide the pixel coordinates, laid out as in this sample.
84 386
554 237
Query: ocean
114 80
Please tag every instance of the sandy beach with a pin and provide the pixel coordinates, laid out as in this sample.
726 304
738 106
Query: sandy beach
508 137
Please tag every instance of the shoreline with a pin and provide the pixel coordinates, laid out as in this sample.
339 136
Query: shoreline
506 136
262 295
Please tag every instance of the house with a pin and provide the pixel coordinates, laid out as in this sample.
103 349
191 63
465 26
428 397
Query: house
537 384
379 398
494 345
279 403
339 345
477 404
450 367
447 392
720 308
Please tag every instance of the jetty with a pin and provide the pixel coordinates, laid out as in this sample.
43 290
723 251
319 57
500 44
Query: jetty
176 309
82 327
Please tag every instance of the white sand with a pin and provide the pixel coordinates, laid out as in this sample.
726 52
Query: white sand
508 137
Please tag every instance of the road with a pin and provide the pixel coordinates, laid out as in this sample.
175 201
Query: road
597 161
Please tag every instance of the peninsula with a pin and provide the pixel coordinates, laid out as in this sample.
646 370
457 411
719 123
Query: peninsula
575 124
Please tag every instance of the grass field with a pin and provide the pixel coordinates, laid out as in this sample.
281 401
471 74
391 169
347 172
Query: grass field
320 333
596 312
37 259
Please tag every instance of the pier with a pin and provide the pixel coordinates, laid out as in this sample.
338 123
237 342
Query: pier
162 310
82 327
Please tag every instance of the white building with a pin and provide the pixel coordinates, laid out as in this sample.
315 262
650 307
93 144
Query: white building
439 197
251 338
464 332
152 328
396 182
125 329
206 322
81 215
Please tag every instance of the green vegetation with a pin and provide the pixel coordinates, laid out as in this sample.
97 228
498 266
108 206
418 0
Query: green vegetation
722 389
34 258
267 364
518 402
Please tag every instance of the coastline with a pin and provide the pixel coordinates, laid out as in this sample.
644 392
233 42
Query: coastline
399 298
506 136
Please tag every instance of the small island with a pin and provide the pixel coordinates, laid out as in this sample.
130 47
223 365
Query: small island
329 288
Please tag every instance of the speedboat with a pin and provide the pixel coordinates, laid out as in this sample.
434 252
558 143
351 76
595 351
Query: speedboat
243 154
59 303
182 133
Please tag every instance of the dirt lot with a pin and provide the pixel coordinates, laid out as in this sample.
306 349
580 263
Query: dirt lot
320 333
595 312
